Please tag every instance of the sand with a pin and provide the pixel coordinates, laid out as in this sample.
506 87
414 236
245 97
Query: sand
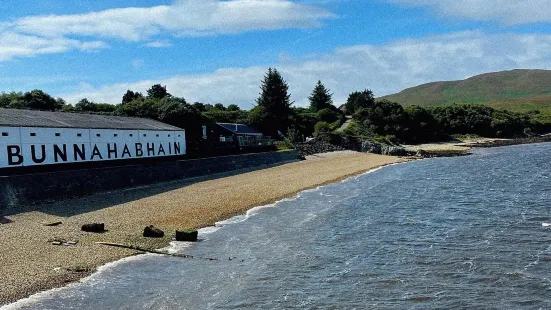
30 263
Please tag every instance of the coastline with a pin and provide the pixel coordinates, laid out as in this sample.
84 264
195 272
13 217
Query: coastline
31 264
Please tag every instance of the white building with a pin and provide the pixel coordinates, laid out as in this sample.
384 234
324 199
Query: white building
29 138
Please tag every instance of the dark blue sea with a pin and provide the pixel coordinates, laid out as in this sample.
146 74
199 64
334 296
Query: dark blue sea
449 233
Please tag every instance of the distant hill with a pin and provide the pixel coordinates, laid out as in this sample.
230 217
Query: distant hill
515 90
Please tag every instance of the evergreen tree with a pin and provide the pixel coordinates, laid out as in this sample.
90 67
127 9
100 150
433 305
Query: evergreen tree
129 96
275 102
157 92
320 98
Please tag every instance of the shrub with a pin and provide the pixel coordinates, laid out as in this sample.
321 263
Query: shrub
321 128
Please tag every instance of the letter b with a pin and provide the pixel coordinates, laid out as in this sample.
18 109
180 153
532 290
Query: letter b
14 152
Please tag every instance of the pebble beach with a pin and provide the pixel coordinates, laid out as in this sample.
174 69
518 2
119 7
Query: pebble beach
31 259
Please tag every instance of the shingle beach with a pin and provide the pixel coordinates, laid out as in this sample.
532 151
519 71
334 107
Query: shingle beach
30 263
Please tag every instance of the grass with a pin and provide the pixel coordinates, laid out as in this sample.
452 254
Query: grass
516 90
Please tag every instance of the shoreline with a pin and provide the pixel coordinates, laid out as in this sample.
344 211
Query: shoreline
464 148
170 248
61 265
72 269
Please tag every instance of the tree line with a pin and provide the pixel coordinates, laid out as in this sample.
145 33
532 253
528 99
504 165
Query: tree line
275 114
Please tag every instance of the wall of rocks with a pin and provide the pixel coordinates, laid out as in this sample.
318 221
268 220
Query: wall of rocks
18 191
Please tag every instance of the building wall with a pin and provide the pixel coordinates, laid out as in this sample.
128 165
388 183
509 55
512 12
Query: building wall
29 146
19 191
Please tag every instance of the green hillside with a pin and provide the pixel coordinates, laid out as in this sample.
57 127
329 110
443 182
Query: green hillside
515 90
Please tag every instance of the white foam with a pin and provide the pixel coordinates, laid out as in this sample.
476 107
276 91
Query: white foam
36 298
546 224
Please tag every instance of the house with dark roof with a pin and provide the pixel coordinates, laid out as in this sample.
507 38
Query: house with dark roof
30 138
245 135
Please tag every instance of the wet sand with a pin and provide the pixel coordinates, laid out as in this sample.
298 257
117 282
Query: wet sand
29 263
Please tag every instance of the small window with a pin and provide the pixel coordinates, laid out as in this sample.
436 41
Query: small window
4 134
169 136
98 135
144 135
33 134
131 135
57 134
115 135
157 135
79 135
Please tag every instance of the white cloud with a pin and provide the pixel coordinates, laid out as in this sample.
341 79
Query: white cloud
60 33
159 44
14 44
505 11
385 69
189 17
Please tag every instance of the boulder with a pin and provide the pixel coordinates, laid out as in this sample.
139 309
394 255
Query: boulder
422 154
371 147
316 146
153 232
94 227
394 150
186 235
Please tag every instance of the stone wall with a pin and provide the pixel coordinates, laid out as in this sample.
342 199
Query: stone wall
17 191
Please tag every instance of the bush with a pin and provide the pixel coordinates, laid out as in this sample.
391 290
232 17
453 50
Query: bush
321 128
327 115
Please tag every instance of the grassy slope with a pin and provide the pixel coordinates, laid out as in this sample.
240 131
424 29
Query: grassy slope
516 90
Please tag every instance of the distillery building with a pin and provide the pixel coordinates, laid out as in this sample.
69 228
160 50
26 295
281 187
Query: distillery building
30 138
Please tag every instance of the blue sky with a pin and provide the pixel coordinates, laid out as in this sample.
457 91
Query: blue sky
217 51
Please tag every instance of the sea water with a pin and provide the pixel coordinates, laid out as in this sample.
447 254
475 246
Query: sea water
447 233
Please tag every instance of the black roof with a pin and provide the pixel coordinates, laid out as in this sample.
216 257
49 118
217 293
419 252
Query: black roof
240 129
34 118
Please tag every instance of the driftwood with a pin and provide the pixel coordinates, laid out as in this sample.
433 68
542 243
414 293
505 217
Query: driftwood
57 223
136 248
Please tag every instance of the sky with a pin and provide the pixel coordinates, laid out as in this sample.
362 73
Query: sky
214 51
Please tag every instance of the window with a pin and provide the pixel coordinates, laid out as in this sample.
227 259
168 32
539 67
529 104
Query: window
79 135
57 134
169 136
98 135
144 135
157 135
131 135
33 134
115 135
4 134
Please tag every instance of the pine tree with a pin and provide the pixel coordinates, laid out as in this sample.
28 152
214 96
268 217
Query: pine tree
320 98
275 103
